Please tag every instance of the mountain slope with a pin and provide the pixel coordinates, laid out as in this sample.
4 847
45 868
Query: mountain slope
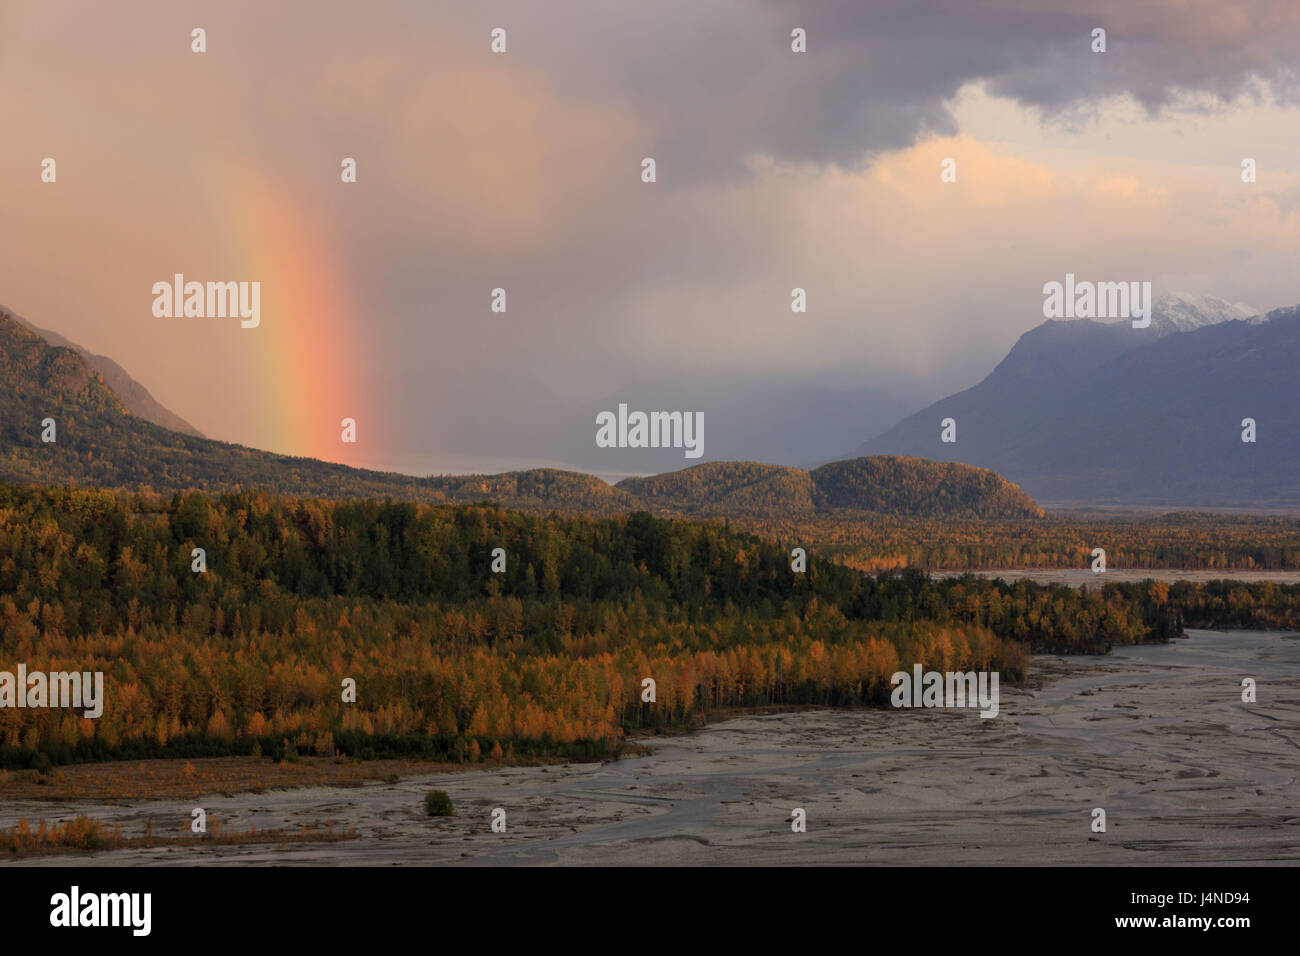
727 488
134 396
1083 412
99 442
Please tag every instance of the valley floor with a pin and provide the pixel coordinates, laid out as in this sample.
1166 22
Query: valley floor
1156 735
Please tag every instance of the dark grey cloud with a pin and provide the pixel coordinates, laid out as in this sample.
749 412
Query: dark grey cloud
724 85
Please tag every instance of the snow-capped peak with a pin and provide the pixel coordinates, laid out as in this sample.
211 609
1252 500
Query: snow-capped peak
1184 311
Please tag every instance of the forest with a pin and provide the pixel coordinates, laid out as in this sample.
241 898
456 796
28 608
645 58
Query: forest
454 661
1190 540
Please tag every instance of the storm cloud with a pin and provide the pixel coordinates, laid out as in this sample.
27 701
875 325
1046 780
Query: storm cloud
522 171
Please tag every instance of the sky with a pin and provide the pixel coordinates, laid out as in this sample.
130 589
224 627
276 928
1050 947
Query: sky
522 170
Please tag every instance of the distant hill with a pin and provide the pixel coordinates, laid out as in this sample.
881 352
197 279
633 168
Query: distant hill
134 396
719 488
539 489
100 442
914 486
882 485
1088 413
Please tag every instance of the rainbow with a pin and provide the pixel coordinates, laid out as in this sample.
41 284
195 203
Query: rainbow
312 366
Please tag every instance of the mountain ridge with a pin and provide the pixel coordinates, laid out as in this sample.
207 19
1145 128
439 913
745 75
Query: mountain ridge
137 399
100 442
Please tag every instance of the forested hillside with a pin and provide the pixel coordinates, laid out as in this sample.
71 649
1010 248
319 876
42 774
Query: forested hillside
862 486
134 396
725 489
891 484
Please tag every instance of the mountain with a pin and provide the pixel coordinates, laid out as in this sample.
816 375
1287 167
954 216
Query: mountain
133 395
100 442
1184 311
1089 413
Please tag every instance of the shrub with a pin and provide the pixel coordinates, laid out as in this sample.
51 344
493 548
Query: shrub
438 804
